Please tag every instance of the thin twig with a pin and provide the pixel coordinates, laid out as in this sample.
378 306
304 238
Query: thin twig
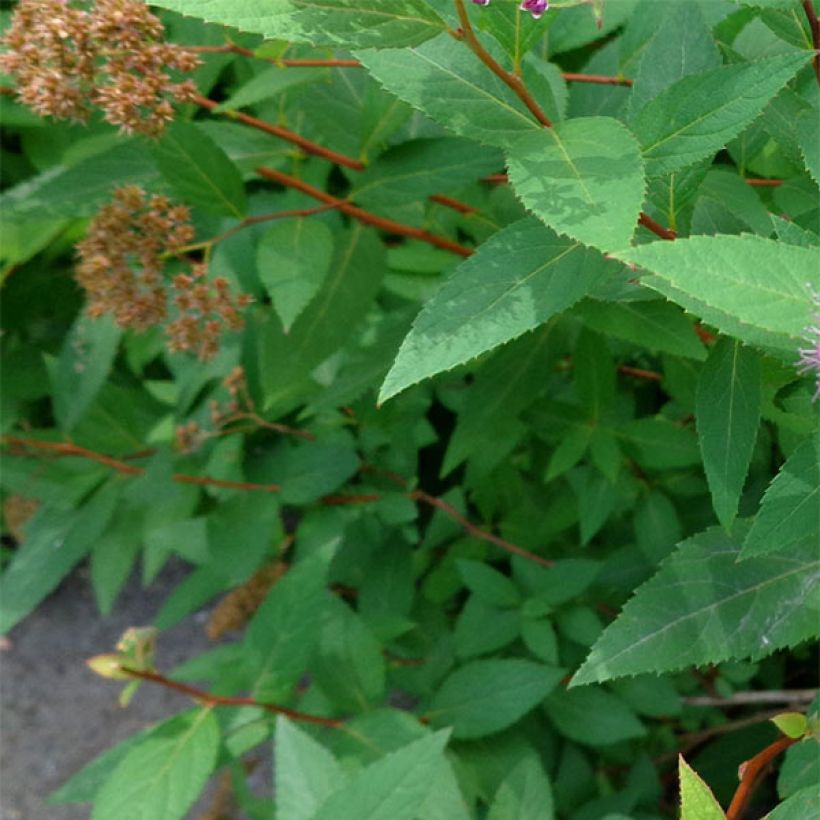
746 698
658 230
308 146
513 81
750 773
763 183
209 699
640 373
455 204
598 79
367 218
814 25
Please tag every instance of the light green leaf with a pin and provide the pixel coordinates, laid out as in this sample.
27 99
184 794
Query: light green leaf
518 279
701 113
199 170
799 806
305 772
696 798
747 286
285 629
349 23
452 86
583 178
486 696
807 127
703 606
593 716
657 325
789 516
525 794
487 583
162 776
727 411
83 366
801 768
392 788
293 259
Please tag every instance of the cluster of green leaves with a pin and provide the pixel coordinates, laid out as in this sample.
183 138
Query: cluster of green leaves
623 407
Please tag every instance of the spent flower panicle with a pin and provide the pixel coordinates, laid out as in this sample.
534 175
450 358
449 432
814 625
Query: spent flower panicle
68 57
809 361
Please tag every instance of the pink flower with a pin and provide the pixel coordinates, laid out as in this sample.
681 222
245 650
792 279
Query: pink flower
535 7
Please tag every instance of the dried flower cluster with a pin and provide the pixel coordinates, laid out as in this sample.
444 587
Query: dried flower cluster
67 58
17 510
120 267
809 361
239 605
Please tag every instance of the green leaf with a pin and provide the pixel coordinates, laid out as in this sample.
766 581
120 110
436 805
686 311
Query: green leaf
699 114
314 469
789 516
199 170
594 373
800 805
801 768
293 259
56 540
728 415
584 178
518 279
481 628
488 584
656 325
83 366
747 286
450 85
349 23
525 794
807 140
284 631
593 716
305 772
696 798
485 696
703 606
391 788
162 776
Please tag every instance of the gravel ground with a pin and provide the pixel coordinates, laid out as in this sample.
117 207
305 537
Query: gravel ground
55 714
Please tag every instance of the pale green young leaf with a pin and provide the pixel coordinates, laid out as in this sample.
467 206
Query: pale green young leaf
392 788
593 716
525 794
83 366
789 515
485 696
747 286
163 774
657 325
727 413
349 23
584 178
283 633
452 86
199 170
293 259
703 606
699 114
696 798
305 772
518 279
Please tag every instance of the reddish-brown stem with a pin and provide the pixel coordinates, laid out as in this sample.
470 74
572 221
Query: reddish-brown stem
599 79
659 230
638 373
814 25
750 773
513 81
764 183
308 146
455 204
363 216
208 699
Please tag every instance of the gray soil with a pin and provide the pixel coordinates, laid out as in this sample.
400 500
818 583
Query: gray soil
55 714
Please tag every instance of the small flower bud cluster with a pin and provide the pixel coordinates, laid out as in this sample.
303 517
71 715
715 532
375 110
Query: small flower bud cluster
66 59
205 308
809 361
239 605
121 264
535 7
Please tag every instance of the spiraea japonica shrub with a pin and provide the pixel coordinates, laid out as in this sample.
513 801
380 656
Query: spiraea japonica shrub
467 354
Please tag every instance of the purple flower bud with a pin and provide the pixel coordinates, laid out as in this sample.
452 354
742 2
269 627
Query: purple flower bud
535 7
810 356
482 2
